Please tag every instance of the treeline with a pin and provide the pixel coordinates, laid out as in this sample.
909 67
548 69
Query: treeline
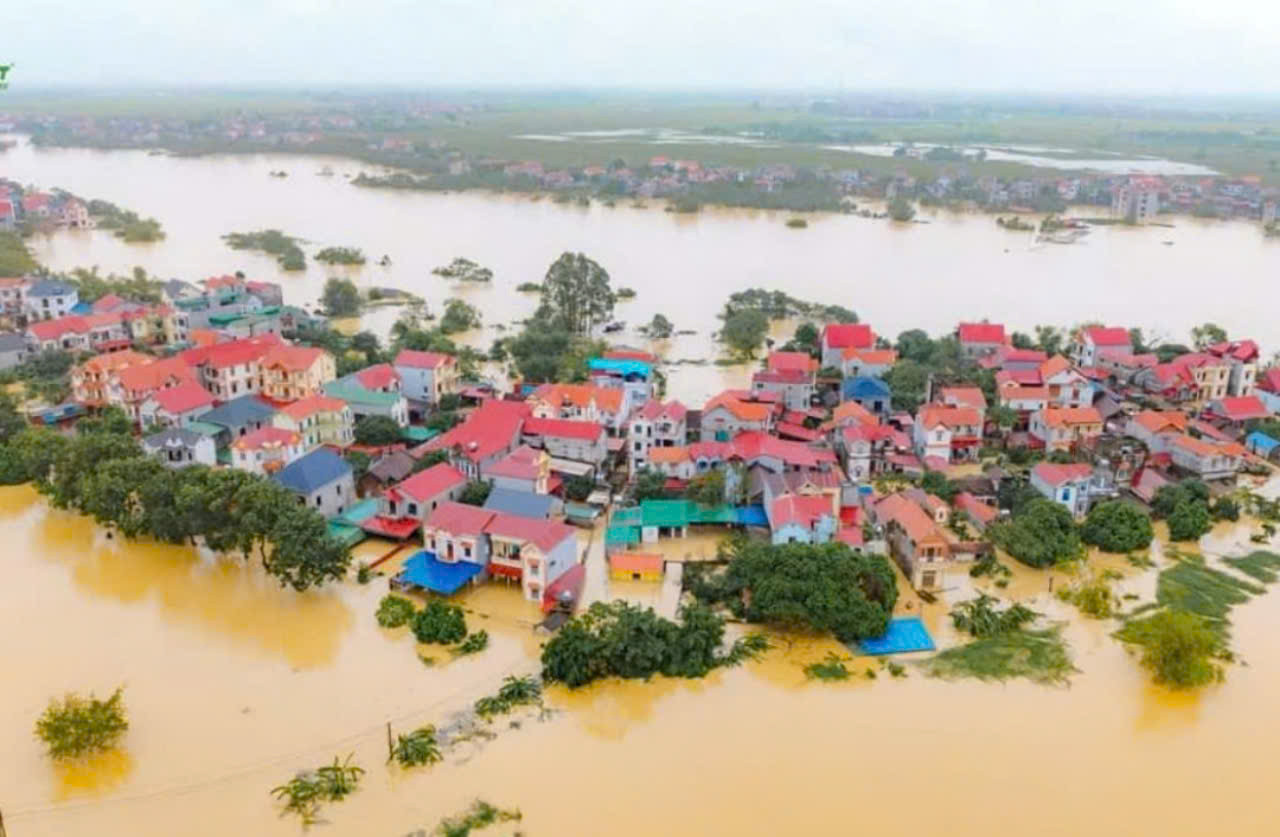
124 223
102 472
284 247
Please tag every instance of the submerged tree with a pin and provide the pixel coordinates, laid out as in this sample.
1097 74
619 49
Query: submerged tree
576 292
78 726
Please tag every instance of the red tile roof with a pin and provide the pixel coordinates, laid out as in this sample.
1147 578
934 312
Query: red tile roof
635 562
485 432
981 333
379 376
782 376
1269 380
741 410
587 431
231 353
521 463
266 437
312 404
964 397
458 518
423 360
1052 474
932 415
801 510
790 362
966 502
1101 336
182 398
654 409
847 335
1241 350
909 516
292 358
431 482
544 534
1240 408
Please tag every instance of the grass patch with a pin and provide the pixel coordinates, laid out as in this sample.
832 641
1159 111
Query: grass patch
1040 656
480 815
1192 586
1262 566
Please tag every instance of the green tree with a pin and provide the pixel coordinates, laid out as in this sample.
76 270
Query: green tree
900 209
707 489
577 293
475 493
459 315
648 484
1049 339
1207 334
1189 520
15 258
394 611
744 331
914 344
936 483
907 380
439 623
377 431
1004 417
78 726
1041 534
1117 526
340 298
579 488
806 338
659 328
417 748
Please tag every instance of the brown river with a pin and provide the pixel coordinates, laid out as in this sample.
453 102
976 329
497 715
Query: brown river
232 684
926 275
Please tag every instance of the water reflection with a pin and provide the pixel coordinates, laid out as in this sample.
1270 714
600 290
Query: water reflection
92 775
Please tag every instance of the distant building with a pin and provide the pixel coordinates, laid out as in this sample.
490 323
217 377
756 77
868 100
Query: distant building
179 448
1137 201
322 480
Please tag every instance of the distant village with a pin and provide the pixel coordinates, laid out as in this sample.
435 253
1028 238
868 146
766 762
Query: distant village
395 139
810 450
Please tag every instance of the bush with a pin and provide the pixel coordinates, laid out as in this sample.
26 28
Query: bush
1179 648
394 611
417 748
1117 526
439 623
980 618
76 726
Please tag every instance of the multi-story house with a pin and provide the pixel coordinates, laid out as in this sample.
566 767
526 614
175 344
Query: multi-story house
525 469
790 376
1242 357
293 372
178 448
608 406
131 388
951 434
230 370
1066 485
914 540
1062 428
321 480
266 451
406 505
867 363
426 376
725 416
92 381
175 406
48 299
1138 200
980 339
12 289
487 435
836 338
1205 458
1088 342
368 402
579 441
319 420
655 424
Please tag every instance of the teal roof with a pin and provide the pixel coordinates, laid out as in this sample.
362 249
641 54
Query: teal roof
622 534
667 512
356 394
419 434
627 517
345 533
204 428
714 514
358 513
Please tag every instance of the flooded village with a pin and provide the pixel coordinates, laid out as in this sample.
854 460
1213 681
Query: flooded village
951 441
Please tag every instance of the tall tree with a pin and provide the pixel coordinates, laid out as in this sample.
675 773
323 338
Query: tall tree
576 291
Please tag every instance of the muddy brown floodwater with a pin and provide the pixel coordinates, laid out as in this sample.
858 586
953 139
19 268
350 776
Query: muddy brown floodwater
233 684
896 276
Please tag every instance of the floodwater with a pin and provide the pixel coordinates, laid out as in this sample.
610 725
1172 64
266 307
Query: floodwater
1026 155
896 276
233 684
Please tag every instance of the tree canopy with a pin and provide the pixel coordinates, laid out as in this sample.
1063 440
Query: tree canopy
377 431
1042 533
744 331
577 293
1117 526
340 298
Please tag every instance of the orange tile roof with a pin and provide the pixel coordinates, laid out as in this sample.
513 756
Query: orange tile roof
1058 416
742 410
668 455
1156 421
872 357
913 520
152 376
313 404
931 415
965 397
116 361
292 358
607 399
1053 366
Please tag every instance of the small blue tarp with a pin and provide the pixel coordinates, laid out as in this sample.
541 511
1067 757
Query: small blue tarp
427 571
1260 443
752 516
903 636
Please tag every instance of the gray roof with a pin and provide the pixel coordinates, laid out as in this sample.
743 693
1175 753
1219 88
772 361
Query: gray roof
10 342
315 470
239 411
521 503
393 467
172 437
50 287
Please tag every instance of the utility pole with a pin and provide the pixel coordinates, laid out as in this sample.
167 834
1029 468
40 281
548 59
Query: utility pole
2 831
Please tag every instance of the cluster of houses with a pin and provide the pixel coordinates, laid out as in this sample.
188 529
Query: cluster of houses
18 205
796 456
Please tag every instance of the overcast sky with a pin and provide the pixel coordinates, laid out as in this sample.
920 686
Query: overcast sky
1110 46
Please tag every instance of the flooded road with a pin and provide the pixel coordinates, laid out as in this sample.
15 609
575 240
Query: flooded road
929 275
232 685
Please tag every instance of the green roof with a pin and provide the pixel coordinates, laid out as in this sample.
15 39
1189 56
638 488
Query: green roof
345 533
224 319
714 514
622 534
667 512
204 428
419 434
356 394
627 517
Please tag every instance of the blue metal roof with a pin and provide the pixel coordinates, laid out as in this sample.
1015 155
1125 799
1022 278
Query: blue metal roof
50 287
315 470
904 635
520 503
239 411
620 366
752 516
1260 443
427 571
865 386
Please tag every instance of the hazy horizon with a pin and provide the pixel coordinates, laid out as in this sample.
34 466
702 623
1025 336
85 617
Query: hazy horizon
1088 48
